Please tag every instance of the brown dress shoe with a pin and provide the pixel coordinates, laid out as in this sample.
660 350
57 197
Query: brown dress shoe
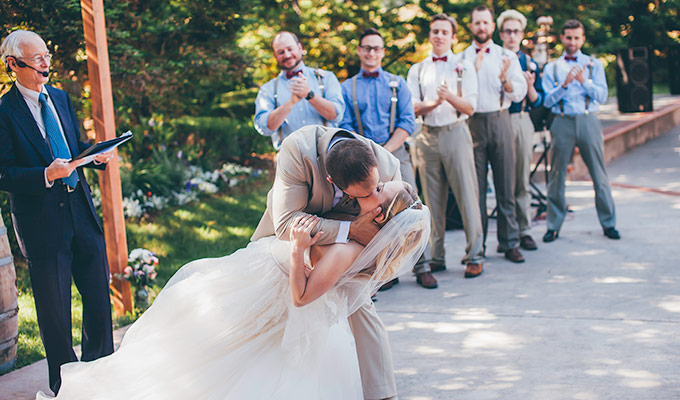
514 255
527 243
388 285
473 270
426 280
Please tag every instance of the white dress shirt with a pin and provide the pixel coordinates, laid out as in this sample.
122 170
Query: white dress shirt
31 97
431 74
490 86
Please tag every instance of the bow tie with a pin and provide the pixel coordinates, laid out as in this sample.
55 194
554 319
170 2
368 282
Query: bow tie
442 58
570 58
373 74
290 74
477 50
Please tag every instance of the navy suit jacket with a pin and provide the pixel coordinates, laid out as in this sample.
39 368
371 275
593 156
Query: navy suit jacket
24 155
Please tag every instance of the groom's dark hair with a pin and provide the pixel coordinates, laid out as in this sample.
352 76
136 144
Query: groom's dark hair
350 161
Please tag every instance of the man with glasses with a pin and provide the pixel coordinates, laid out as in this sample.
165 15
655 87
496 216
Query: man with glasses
55 222
512 25
445 88
298 96
501 82
378 106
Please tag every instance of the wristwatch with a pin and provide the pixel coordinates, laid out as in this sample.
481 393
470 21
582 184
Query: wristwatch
310 95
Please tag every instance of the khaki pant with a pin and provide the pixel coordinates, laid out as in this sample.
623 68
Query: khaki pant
523 131
445 158
375 355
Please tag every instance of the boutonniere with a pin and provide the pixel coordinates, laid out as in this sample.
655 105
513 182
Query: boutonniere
394 84
533 67
590 64
459 68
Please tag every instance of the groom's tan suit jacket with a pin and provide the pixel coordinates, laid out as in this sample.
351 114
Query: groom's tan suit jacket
301 187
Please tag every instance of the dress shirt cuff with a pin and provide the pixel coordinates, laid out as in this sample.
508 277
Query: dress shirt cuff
48 184
589 87
343 232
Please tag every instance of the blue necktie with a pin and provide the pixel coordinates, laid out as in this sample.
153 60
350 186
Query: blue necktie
57 143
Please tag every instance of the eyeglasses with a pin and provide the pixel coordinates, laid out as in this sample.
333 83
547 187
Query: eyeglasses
38 59
512 31
369 49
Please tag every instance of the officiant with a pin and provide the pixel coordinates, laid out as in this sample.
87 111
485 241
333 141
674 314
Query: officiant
57 228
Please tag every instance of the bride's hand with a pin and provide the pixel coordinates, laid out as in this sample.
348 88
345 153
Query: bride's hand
301 234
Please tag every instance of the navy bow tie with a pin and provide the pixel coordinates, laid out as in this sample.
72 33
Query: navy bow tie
442 58
290 74
373 74
570 58
486 50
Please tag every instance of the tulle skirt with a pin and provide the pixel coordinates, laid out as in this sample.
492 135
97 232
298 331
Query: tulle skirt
226 328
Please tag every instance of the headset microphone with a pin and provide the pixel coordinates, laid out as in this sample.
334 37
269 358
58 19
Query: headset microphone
22 64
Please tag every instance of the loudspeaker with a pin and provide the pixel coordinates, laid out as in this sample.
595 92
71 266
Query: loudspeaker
674 69
634 80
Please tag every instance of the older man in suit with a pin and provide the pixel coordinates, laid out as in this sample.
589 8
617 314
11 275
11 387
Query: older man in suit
304 186
55 222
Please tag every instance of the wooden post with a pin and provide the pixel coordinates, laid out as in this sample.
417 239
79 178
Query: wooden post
104 124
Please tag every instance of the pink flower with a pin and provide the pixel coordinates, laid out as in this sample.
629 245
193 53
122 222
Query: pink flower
152 275
533 66
459 68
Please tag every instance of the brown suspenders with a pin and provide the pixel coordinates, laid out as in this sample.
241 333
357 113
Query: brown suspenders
393 104
590 76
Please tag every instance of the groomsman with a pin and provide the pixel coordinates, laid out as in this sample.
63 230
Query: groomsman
445 88
298 96
379 107
512 25
575 86
501 82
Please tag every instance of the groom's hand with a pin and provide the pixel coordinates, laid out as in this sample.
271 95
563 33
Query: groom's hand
363 228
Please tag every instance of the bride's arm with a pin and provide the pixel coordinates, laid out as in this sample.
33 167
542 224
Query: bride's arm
335 261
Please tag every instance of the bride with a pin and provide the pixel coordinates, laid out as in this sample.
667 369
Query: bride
266 322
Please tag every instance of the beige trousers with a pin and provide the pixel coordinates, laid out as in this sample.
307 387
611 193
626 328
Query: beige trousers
445 157
375 355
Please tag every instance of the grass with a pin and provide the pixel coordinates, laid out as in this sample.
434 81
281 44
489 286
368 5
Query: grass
213 226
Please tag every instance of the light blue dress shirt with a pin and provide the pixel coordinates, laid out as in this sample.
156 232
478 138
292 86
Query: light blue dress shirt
374 95
574 96
303 113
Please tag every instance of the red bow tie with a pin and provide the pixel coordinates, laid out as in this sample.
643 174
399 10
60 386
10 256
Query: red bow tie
442 58
373 74
570 58
477 50
290 74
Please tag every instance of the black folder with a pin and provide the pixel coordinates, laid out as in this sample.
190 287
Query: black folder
103 147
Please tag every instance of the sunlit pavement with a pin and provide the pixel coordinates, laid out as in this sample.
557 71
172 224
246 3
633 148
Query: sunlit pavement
585 317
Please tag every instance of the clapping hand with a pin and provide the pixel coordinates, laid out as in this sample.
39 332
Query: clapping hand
299 87
301 234
504 69
442 92
576 72
478 60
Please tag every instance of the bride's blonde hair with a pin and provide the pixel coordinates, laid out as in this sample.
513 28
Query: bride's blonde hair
406 198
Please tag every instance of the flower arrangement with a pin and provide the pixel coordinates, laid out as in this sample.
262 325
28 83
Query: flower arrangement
140 203
140 271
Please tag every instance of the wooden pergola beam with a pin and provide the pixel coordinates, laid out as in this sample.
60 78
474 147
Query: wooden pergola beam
94 25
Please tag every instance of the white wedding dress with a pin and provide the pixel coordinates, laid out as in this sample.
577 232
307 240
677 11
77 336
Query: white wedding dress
226 328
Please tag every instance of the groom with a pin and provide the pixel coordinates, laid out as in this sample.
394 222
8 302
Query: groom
302 186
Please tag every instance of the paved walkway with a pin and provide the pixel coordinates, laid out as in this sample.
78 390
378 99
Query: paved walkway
583 318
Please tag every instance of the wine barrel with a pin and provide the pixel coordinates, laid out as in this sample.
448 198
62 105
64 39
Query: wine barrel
9 306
